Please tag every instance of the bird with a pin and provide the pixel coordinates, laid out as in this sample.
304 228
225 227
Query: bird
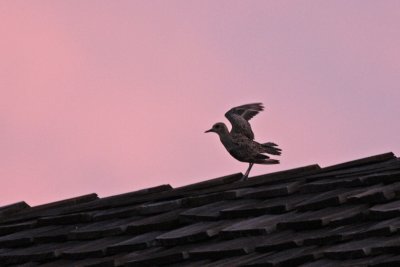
239 141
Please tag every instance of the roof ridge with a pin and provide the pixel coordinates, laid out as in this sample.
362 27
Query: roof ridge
13 208
361 161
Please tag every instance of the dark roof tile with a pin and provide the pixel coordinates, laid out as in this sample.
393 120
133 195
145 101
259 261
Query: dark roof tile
67 202
377 194
385 261
367 229
90 262
229 248
13 208
271 191
156 256
270 206
387 210
200 200
191 263
54 234
228 179
27 237
232 261
137 242
95 248
48 209
16 227
279 241
253 208
255 226
361 162
328 184
193 233
326 199
389 244
322 237
163 221
283 176
291 257
345 233
380 177
65 219
159 207
112 213
353 249
358 171
124 199
361 262
212 211
40 253
101 228
29 264
316 219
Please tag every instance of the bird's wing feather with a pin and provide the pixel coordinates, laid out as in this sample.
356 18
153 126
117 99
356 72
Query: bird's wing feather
239 118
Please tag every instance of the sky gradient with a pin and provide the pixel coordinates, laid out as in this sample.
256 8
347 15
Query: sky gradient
114 96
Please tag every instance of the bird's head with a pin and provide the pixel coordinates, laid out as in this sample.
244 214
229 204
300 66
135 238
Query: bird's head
219 128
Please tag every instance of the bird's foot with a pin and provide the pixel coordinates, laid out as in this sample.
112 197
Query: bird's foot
244 178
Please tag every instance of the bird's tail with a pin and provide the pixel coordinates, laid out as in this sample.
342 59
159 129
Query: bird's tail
269 161
271 148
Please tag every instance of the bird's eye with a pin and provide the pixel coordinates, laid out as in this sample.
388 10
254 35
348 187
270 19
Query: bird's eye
216 126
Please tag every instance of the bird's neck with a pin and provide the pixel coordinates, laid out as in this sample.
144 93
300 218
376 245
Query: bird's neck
226 139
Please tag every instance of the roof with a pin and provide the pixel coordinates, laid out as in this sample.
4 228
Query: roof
342 215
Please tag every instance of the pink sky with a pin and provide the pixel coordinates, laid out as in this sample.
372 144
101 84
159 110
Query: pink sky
114 96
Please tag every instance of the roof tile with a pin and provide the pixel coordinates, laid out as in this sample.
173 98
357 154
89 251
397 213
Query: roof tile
362 162
265 224
271 191
212 211
279 241
27 237
157 256
330 198
137 242
40 253
192 233
234 261
377 194
230 248
65 219
53 208
352 249
101 229
95 248
387 210
328 184
90 262
316 219
163 221
16 227
13 208
291 257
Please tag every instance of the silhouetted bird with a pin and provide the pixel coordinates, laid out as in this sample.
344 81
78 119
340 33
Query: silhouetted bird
240 140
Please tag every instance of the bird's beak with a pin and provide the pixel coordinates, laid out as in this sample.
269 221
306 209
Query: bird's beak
211 130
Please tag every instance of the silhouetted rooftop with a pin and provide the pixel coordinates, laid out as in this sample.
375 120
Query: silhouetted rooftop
343 215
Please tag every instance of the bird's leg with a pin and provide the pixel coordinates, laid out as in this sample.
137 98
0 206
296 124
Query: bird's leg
246 175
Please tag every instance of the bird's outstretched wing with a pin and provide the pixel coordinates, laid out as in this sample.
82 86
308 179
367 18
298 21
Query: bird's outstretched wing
239 118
